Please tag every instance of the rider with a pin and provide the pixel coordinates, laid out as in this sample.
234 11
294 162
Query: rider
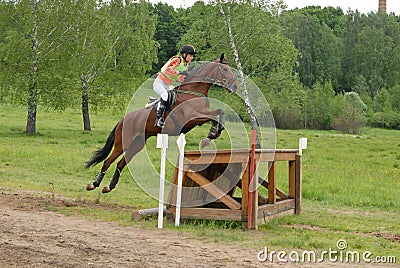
173 70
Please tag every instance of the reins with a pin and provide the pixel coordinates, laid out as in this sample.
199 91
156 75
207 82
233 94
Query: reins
190 92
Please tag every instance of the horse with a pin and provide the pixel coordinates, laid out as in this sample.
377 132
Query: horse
190 109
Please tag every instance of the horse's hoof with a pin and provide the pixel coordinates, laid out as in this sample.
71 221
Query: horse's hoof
90 187
205 142
106 189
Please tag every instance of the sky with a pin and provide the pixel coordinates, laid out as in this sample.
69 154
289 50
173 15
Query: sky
364 6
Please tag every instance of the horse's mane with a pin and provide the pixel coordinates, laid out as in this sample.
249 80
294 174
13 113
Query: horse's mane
194 67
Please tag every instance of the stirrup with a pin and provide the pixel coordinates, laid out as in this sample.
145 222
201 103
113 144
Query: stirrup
159 123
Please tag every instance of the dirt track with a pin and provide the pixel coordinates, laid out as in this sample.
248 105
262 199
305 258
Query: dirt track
31 236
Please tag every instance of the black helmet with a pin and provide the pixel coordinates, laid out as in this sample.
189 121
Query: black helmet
188 49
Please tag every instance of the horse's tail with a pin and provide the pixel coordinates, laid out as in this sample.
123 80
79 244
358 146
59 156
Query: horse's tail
101 154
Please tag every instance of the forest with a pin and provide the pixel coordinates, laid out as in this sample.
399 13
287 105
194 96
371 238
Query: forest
319 68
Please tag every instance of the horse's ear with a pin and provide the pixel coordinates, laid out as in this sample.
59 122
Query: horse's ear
221 59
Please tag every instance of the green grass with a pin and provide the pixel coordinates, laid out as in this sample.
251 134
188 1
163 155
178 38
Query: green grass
351 184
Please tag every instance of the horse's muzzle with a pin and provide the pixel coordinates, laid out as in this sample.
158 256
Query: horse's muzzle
233 88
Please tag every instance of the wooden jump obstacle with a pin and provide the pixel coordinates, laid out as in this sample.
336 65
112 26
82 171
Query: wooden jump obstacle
213 180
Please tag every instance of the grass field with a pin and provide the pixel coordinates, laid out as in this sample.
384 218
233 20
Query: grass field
351 184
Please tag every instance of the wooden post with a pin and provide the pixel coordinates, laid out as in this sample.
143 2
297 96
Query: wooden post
245 195
252 183
272 183
254 202
298 179
292 179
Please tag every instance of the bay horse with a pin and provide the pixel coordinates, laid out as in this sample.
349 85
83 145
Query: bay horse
190 109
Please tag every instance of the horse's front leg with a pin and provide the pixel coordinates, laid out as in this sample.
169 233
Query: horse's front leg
217 126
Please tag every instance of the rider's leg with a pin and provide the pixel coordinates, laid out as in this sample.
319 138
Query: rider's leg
161 89
161 106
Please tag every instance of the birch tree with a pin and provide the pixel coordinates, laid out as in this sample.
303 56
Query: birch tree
30 49
113 42
242 79
93 43
249 33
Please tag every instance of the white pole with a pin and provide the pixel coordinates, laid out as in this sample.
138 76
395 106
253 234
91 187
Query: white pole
181 145
302 145
162 142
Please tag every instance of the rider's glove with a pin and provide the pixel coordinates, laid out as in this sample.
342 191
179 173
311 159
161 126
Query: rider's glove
183 73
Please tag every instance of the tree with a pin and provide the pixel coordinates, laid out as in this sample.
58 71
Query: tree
394 93
111 41
289 107
386 115
320 107
94 42
319 49
331 16
351 28
372 56
170 26
30 49
54 50
362 89
371 49
352 115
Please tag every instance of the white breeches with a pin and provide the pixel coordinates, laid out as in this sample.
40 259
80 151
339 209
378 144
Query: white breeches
161 88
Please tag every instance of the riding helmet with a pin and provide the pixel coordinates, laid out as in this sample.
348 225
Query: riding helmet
188 49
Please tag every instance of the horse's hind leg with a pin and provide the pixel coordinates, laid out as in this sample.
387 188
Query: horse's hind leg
117 151
135 147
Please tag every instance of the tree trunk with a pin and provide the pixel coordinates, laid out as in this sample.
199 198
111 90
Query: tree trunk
31 120
242 78
32 103
32 100
85 106
86 80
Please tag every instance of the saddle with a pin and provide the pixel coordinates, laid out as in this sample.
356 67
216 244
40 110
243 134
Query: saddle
152 102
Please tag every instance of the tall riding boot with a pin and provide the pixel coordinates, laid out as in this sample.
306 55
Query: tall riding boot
161 105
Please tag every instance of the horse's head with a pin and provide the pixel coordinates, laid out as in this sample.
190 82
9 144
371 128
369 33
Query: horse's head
216 72
223 74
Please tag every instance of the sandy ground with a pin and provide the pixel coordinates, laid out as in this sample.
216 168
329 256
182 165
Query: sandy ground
31 236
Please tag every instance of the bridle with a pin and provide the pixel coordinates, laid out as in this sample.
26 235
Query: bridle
224 82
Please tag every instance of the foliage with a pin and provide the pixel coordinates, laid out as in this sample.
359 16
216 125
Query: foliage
352 115
171 25
264 54
288 107
55 54
386 114
319 57
320 107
